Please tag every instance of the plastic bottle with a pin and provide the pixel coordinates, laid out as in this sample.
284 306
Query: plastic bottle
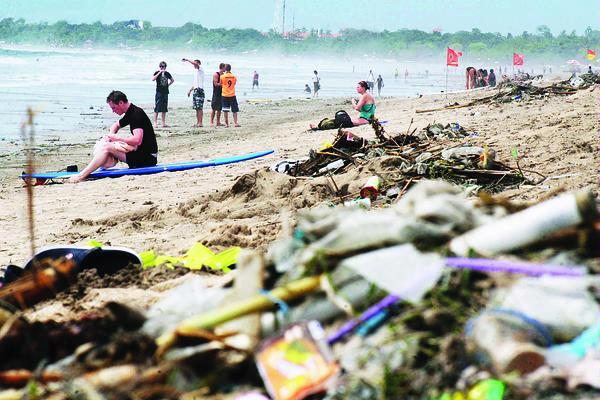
528 226
371 188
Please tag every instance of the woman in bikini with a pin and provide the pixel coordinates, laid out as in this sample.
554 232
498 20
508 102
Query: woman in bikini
365 105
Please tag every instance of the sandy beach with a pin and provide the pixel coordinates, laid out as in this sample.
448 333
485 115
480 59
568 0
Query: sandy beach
169 212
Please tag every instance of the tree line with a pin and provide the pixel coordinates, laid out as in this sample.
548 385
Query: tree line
406 42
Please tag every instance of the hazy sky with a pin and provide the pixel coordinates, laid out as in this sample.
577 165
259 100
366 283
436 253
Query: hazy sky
503 16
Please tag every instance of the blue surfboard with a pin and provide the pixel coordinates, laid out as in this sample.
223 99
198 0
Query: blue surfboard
174 167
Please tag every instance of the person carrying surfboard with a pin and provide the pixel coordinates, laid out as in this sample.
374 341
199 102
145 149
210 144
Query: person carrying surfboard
138 150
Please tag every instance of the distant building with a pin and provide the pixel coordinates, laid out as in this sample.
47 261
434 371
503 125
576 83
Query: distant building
133 24
303 35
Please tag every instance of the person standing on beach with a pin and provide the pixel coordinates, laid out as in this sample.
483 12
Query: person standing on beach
228 82
198 91
396 74
255 80
138 150
406 74
379 84
492 78
316 84
161 99
470 76
371 80
216 103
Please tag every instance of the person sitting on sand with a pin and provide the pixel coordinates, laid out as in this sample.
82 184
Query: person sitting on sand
365 106
138 150
307 88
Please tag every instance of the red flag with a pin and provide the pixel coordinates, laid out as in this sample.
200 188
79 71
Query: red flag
452 57
591 55
518 59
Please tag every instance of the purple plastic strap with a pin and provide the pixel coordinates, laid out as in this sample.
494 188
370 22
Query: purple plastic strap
370 313
488 265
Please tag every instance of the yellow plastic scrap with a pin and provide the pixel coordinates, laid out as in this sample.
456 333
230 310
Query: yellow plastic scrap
454 396
94 243
148 259
198 256
325 145
489 389
224 259
195 258
169 261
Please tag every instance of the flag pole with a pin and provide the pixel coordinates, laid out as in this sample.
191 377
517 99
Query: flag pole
446 81
446 91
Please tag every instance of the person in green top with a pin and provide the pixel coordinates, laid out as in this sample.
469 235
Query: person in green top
365 105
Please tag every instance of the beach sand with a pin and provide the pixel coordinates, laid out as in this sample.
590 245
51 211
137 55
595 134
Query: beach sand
244 204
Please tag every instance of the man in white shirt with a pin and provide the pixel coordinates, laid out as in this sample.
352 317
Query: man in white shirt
316 84
198 91
371 80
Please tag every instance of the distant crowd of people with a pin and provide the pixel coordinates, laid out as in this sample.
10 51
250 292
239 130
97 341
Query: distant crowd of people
476 78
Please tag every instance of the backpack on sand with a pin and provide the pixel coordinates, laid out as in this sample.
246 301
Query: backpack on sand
343 120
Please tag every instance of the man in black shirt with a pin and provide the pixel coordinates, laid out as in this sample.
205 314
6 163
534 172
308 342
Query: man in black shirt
161 100
138 150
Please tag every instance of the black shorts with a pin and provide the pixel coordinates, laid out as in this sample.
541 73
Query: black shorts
216 103
137 159
230 104
161 101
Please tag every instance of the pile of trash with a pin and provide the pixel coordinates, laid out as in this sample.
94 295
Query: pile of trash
527 87
438 296
429 153
524 87
584 81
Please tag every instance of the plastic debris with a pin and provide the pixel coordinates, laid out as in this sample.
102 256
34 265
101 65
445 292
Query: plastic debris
528 226
197 257
400 270
297 363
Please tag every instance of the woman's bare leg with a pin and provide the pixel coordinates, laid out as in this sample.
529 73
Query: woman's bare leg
359 121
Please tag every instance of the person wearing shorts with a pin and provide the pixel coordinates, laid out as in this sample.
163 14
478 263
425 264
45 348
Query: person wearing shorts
228 81
161 99
138 150
316 84
216 103
198 91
